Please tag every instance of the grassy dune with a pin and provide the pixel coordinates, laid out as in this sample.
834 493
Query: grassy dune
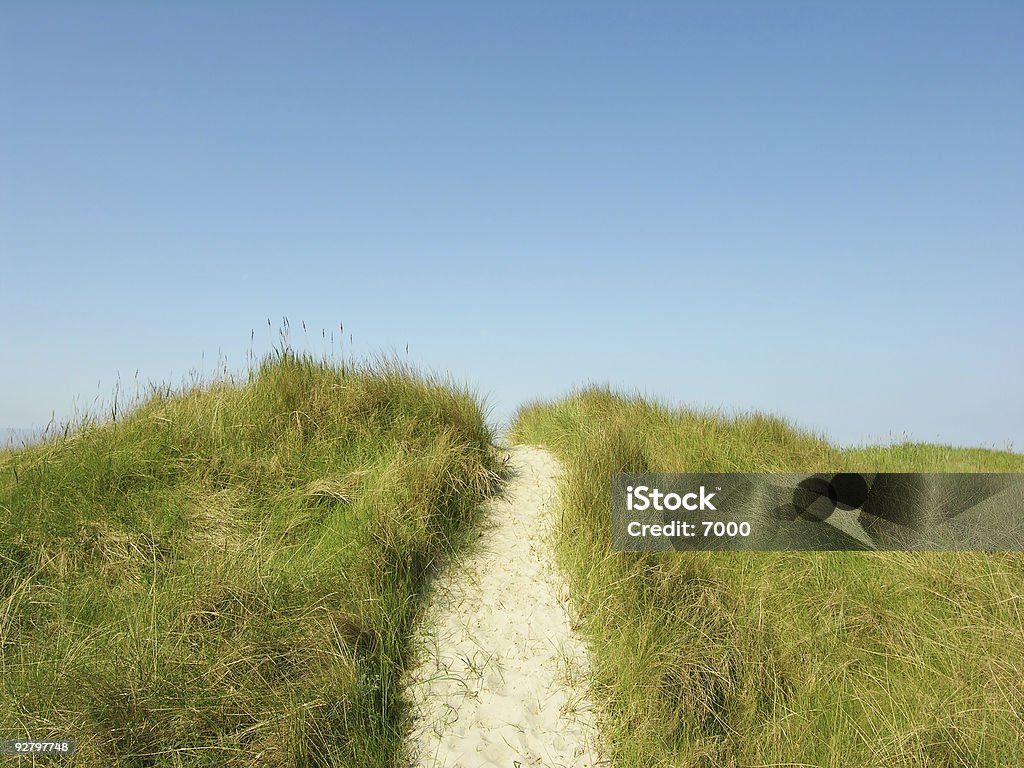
781 659
226 575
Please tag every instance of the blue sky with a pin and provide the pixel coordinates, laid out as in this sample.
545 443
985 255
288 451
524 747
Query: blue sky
812 209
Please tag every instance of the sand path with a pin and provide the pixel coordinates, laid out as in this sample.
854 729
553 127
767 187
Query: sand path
499 674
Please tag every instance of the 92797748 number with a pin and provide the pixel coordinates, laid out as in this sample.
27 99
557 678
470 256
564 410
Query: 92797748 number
55 747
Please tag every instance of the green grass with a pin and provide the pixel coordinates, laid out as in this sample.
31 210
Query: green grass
743 659
227 574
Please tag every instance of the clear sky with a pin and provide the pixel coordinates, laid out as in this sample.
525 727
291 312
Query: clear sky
809 208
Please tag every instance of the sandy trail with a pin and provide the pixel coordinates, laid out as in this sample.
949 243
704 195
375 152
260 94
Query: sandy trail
499 675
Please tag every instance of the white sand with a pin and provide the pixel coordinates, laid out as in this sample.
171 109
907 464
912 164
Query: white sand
499 675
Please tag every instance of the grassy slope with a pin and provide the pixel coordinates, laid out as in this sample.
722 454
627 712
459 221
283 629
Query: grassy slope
796 659
227 575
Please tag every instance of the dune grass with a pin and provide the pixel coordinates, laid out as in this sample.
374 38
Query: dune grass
227 574
742 659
